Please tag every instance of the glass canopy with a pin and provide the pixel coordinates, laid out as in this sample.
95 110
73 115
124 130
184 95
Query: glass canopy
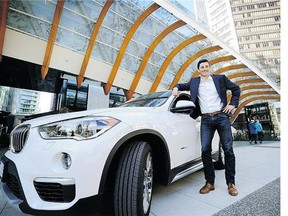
170 46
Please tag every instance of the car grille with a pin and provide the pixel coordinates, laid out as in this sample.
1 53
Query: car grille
19 137
55 192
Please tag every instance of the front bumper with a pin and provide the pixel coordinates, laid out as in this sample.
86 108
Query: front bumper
63 190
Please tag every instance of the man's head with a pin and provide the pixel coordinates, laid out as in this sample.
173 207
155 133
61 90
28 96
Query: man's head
203 67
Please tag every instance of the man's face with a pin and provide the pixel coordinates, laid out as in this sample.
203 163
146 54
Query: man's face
204 69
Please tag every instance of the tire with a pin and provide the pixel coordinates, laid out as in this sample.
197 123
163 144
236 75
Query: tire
134 181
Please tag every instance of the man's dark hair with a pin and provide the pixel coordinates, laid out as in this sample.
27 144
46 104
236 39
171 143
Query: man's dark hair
201 61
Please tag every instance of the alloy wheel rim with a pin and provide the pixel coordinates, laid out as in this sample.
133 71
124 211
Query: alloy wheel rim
147 183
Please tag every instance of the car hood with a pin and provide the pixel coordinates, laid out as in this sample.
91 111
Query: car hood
121 113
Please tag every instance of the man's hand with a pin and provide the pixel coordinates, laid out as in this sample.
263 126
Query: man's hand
228 109
175 91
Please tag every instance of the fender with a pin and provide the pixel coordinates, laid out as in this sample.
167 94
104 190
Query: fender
120 143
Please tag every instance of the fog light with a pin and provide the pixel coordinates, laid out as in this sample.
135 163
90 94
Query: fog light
66 160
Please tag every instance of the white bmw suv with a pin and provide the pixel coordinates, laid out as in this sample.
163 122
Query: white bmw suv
107 159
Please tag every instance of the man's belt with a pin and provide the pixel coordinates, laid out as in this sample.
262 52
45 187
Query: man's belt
212 113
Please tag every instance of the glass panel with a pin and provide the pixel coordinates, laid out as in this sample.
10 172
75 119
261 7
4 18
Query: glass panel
89 9
136 49
149 100
75 99
172 68
150 72
167 79
222 52
164 48
130 63
104 52
100 2
71 40
117 23
28 24
187 31
164 16
23 102
42 9
76 23
190 49
126 9
110 37
143 37
180 58
70 97
189 72
157 59
163 94
144 4
151 26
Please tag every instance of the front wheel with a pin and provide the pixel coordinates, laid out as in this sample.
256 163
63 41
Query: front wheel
134 181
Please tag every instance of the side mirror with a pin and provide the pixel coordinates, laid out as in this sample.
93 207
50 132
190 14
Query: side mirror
183 106
184 103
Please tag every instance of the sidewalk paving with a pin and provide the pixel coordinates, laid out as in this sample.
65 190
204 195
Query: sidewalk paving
256 166
257 172
264 201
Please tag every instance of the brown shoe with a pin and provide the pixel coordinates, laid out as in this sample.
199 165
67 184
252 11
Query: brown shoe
207 188
232 190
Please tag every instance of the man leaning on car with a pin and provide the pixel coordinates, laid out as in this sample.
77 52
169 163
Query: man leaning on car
208 92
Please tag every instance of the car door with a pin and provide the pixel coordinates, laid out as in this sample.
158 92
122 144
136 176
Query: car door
185 135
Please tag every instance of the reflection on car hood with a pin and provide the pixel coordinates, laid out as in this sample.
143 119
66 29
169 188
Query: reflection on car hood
120 113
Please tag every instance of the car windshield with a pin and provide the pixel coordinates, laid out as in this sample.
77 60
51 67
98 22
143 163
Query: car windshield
148 100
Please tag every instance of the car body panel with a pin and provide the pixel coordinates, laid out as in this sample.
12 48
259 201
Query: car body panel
41 158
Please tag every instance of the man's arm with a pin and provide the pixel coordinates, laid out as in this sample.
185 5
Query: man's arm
235 89
181 87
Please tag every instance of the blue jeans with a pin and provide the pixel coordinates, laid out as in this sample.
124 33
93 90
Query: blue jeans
221 124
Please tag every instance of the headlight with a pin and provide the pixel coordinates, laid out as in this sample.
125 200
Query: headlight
79 129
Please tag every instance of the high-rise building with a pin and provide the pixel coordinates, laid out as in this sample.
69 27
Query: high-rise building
28 102
23 102
251 27
200 11
257 24
220 21
4 91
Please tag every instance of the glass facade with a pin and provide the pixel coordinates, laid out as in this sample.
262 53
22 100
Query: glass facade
258 26
79 17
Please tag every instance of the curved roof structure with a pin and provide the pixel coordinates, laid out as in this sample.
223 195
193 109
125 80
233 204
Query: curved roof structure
139 46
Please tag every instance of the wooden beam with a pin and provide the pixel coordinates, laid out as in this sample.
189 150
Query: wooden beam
242 74
124 45
169 58
52 38
250 87
221 59
4 6
189 61
240 82
239 108
92 40
230 67
243 96
147 55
